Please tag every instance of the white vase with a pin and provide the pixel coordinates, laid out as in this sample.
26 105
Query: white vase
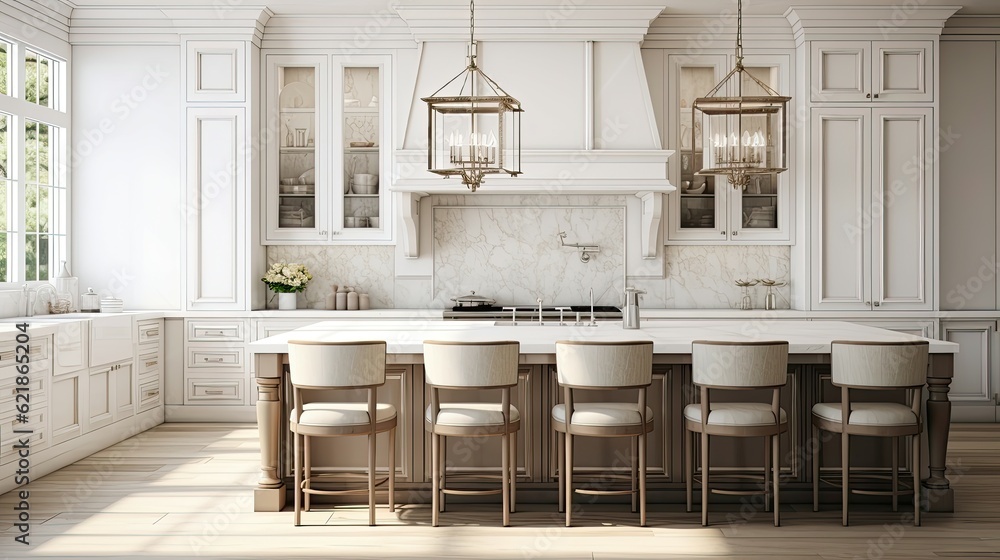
286 301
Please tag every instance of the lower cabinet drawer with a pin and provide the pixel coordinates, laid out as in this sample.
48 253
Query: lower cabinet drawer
215 391
148 363
150 395
214 357
37 438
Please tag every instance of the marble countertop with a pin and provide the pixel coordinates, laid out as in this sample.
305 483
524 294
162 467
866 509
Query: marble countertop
668 337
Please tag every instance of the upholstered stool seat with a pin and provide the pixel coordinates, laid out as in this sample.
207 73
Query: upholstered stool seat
602 414
471 414
323 414
869 414
736 414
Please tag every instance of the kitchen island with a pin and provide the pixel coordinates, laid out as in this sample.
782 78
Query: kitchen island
809 358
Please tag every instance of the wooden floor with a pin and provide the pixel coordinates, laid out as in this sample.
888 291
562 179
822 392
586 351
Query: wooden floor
183 490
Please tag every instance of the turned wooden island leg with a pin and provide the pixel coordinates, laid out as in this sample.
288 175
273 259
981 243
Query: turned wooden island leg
269 495
937 493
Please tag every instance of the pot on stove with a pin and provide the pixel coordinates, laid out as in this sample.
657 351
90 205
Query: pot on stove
472 300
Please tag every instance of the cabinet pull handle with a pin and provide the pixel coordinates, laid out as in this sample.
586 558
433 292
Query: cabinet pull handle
213 359
152 393
869 96
213 391
153 332
151 364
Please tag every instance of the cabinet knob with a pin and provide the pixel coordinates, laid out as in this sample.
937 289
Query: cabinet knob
735 233
876 304
723 232
868 303
869 96
876 96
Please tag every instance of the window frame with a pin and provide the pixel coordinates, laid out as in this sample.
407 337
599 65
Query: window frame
19 110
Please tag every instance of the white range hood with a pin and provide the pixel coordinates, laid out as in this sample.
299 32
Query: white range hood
576 68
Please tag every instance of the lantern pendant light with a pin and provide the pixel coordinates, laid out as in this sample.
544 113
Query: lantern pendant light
741 136
469 134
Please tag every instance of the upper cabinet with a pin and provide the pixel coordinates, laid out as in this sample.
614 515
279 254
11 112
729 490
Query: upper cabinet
707 209
872 71
327 149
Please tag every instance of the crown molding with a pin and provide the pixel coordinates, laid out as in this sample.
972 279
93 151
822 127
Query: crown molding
347 34
970 28
23 18
545 21
162 25
696 33
888 21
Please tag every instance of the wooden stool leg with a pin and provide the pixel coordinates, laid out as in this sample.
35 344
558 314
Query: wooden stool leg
392 470
767 473
443 466
704 479
505 477
776 464
306 443
513 472
561 458
845 466
569 478
815 466
633 470
688 466
895 473
916 479
371 479
642 478
297 451
435 479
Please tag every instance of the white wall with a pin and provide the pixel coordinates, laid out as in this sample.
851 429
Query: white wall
127 176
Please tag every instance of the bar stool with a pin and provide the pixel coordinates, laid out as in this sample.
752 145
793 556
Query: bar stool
736 366
873 366
471 366
602 366
338 366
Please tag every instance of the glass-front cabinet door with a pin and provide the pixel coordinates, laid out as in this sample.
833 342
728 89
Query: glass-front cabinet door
697 209
707 209
297 173
762 211
327 145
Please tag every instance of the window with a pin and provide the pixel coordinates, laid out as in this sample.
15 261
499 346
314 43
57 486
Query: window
34 215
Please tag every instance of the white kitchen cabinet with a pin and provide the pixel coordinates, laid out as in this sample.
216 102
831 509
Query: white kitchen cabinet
68 406
332 123
872 71
872 208
975 384
706 209
123 376
38 397
100 387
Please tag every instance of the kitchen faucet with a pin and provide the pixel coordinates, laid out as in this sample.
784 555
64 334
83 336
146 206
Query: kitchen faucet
539 300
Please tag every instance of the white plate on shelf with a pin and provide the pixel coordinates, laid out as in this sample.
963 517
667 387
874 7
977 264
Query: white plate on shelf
297 95
309 175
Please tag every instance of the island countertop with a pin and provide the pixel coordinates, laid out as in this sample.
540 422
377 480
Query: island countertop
668 337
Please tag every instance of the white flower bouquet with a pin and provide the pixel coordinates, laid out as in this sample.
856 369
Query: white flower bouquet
287 278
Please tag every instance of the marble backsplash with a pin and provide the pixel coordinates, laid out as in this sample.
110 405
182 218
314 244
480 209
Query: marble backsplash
513 254
369 268
508 249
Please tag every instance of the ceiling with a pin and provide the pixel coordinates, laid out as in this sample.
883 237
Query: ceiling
678 7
